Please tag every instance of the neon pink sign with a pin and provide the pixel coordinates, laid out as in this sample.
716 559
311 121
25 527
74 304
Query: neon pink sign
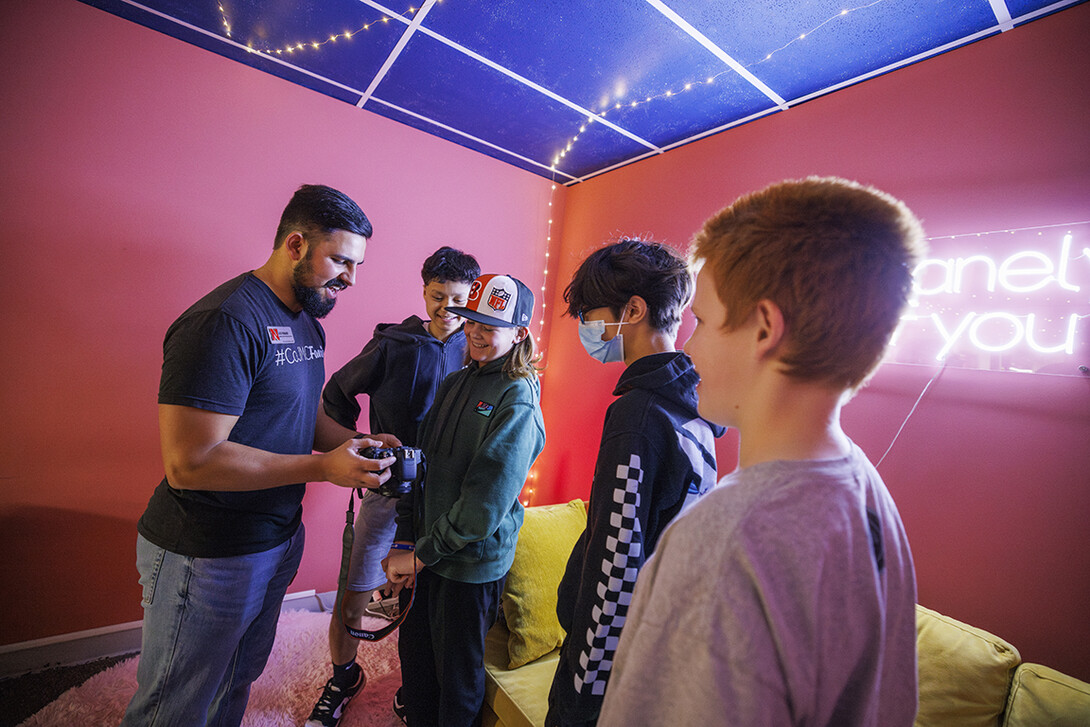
1017 300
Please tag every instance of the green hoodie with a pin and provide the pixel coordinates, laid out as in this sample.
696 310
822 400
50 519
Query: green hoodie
480 437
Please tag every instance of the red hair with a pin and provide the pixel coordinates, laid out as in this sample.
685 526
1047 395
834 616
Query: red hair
835 257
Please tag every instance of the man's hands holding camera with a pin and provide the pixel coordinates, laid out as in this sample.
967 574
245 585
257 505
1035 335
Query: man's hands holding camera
347 467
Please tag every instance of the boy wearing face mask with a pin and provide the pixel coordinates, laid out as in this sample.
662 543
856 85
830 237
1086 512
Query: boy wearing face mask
656 456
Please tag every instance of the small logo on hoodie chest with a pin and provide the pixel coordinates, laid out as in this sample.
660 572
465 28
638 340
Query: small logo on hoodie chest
483 408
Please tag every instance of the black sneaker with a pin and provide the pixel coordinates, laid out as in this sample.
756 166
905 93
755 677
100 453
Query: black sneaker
327 712
399 706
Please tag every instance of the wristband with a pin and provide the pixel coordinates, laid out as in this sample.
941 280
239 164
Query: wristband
402 546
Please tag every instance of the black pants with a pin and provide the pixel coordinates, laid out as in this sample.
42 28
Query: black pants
441 645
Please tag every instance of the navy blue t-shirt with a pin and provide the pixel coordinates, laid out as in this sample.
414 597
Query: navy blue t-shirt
240 351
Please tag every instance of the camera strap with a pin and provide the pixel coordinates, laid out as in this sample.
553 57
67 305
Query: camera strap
348 537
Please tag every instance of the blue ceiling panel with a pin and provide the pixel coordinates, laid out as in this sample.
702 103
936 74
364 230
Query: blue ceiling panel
434 80
1033 9
621 58
801 48
521 80
690 107
596 54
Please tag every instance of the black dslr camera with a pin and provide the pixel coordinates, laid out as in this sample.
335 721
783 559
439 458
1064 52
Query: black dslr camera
404 473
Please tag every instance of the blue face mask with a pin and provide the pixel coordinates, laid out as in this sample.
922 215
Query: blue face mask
590 335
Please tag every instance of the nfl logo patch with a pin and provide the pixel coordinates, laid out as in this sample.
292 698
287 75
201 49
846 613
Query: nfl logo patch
483 408
498 299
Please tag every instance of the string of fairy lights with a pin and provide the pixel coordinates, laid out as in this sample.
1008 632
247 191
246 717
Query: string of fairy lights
314 45
295 46
602 110
599 111
527 495
1010 231
545 271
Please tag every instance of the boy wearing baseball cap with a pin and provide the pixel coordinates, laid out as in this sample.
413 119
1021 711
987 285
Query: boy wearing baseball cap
456 537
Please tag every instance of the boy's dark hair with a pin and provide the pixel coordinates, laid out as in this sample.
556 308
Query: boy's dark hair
449 265
837 259
318 208
612 274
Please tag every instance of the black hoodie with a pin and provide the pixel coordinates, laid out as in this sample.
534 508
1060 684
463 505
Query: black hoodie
656 456
400 369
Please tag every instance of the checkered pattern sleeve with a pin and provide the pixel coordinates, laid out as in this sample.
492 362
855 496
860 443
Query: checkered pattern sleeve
598 587
618 565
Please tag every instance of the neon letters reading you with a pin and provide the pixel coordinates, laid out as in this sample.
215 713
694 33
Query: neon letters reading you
1030 300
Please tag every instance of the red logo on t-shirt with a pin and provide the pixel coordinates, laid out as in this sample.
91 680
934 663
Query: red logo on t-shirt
280 334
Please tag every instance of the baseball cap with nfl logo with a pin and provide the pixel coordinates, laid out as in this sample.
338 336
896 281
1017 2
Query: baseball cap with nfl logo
497 300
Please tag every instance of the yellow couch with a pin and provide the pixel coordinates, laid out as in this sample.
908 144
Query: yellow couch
968 677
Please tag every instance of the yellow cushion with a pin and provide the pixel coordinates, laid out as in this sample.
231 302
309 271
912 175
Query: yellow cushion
1043 696
965 672
529 600
519 697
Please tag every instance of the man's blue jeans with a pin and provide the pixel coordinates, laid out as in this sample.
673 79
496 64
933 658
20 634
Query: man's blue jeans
209 625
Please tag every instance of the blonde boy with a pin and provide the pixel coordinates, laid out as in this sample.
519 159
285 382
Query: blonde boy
786 596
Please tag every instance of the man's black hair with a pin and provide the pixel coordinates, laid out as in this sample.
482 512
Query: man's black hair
612 274
316 207
449 265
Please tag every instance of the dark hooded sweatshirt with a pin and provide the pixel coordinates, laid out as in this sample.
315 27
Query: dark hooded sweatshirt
400 369
656 457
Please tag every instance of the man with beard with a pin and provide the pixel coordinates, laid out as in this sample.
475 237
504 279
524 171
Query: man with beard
239 422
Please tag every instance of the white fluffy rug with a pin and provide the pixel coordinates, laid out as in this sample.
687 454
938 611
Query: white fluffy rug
283 697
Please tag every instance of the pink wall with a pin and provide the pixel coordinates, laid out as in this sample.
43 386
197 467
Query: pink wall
138 173
993 471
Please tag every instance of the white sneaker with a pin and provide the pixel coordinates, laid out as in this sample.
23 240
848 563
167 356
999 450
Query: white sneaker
386 608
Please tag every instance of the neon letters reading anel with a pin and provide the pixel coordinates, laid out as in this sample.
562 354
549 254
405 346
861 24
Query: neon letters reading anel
1002 305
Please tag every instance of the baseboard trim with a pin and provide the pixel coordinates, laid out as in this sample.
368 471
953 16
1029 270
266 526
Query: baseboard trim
82 646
